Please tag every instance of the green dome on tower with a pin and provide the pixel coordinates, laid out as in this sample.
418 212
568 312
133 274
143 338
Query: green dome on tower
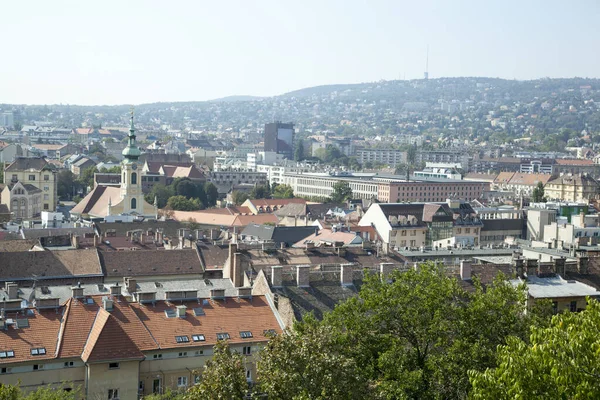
131 152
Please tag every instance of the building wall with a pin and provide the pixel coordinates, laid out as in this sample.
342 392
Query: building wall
43 180
100 379
53 373
402 237
536 220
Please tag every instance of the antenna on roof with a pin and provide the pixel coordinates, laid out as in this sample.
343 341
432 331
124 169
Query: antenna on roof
426 75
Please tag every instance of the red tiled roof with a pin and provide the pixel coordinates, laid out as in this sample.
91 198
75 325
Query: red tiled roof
243 220
43 330
231 316
561 161
108 341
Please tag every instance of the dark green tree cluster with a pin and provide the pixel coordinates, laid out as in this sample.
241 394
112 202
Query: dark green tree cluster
332 155
420 335
184 195
10 392
538 193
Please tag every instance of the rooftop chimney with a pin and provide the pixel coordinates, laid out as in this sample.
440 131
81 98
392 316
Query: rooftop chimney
77 291
12 289
131 284
385 269
531 267
346 274
303 275
107 303
465 270
181 311
519 267
276 276
115 290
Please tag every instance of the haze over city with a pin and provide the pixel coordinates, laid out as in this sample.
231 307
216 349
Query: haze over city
148 51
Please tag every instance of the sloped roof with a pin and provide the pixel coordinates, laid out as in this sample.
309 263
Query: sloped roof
504 177
243 220
27 163
231 316
43 332
328 236
529 179
108 341
49 264
151 262
11 246
279 234
96 201
574 162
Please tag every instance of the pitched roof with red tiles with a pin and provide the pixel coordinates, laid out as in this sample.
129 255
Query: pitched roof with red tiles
243 220
231 316
504 177
108 341
574 162
42 332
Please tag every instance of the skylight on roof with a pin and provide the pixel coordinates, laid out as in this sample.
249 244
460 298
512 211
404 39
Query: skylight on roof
222 336
269 332
199 311
38 351
198 338
245 334
170 313
7 353
182 339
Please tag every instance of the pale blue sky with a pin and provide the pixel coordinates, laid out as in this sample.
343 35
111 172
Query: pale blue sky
130 51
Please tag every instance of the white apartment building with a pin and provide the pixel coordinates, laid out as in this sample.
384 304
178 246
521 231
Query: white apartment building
321 185
389 157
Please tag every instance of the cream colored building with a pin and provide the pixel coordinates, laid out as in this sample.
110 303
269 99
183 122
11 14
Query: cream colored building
23 200
38 172
572 188
129 341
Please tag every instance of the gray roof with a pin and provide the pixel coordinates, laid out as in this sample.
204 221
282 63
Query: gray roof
556 287
26 163
39 233
279 234
64 292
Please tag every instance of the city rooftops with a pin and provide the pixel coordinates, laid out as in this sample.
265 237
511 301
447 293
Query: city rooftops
556 287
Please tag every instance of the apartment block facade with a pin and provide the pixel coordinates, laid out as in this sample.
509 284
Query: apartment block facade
38 172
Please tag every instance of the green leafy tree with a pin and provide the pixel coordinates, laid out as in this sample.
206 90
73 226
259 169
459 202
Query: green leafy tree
65 184
13 392
223 377
341 192
17 126
562 361
299 153
2 173
162 194
87 177
239 197
411 155
538 193
321 154
181 203
283 191
307 363
212 194
419 335
260 192
185 187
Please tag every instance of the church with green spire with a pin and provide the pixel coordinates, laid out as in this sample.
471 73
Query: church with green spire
128 198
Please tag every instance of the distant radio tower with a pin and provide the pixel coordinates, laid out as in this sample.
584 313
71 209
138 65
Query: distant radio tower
426 74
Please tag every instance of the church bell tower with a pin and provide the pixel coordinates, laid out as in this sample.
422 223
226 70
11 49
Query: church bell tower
131 185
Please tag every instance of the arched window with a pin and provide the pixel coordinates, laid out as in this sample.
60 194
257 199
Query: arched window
134 178
133 204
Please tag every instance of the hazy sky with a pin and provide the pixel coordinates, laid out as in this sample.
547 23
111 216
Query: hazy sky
129 51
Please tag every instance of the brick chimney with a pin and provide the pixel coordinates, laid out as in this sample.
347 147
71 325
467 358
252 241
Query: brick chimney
346 275
519 267
582 264
130 284
303 275
237 271
532 267
77 291
115 290
559 266
465 270
385 269
276 276
75 241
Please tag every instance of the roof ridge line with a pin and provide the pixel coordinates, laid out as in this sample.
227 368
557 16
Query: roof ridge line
63 323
